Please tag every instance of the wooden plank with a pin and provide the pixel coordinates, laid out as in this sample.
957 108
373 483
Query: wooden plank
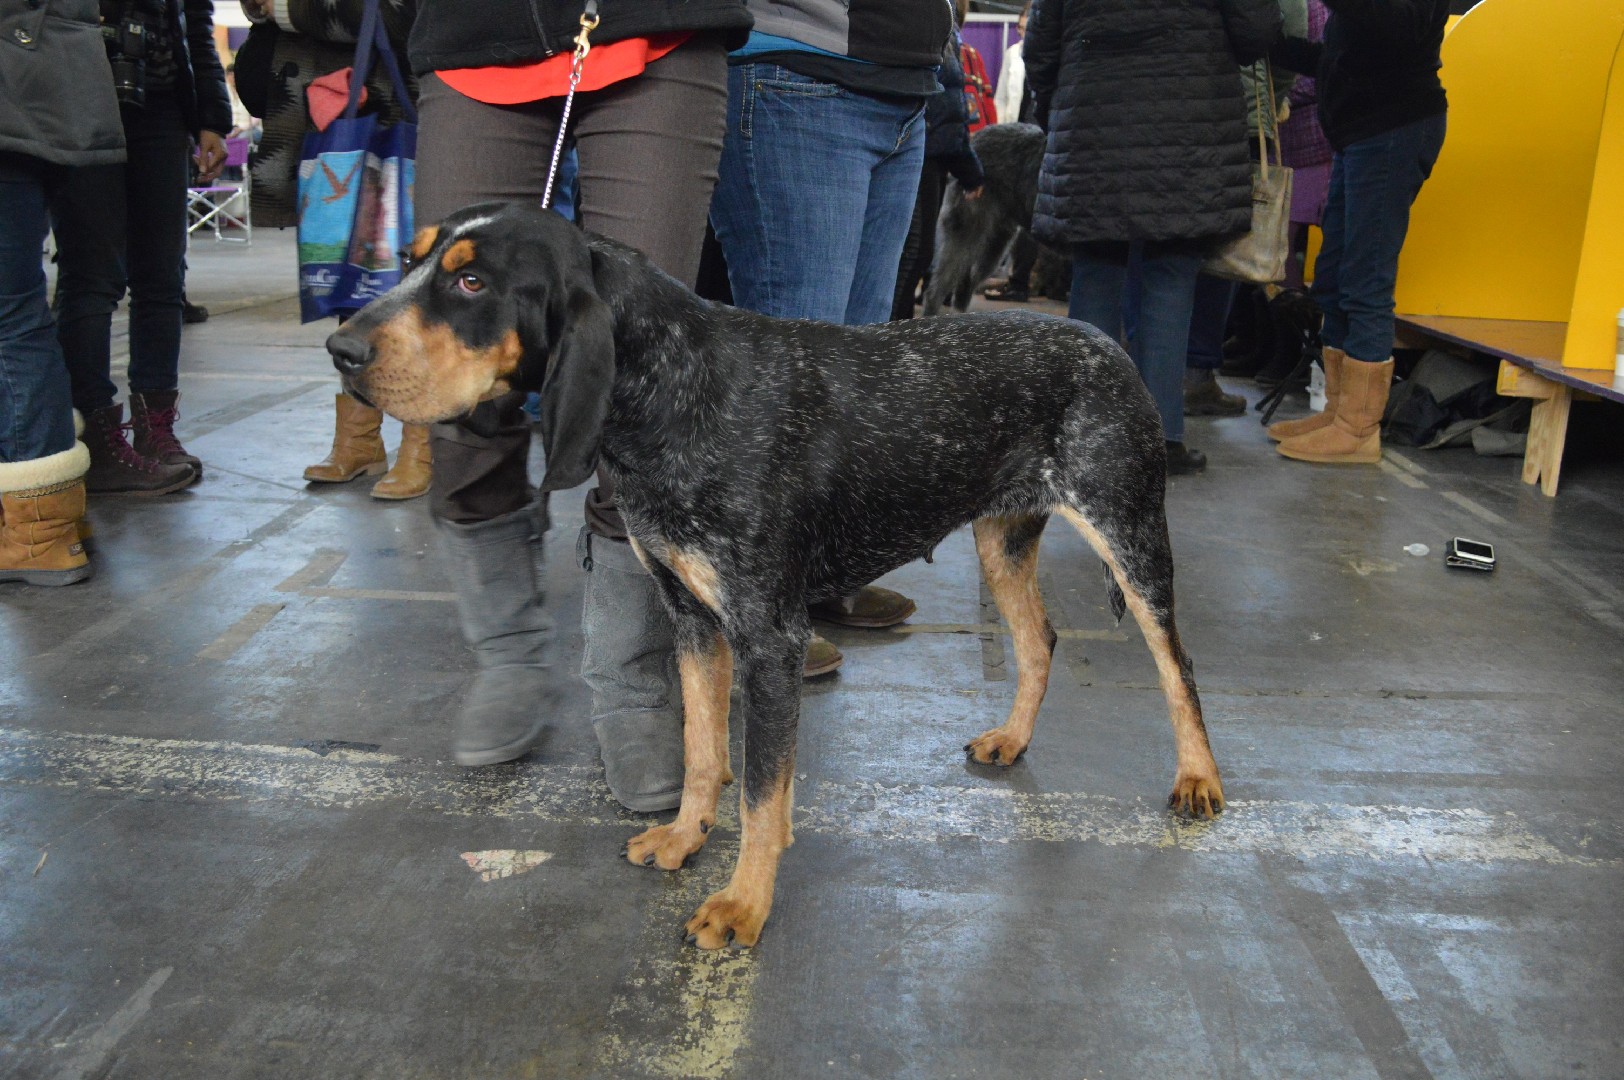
1547 434
1514 381
1534 346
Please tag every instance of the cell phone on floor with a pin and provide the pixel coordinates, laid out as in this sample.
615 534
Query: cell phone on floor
1469 554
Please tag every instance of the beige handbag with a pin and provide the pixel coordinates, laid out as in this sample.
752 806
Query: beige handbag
1259 256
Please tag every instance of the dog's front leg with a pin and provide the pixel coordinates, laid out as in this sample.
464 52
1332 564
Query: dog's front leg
706 665
772 701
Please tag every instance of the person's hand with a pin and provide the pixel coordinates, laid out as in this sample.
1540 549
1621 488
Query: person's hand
210 156
972 194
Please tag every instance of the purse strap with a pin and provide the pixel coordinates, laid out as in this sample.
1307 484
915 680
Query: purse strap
374 36
1266 79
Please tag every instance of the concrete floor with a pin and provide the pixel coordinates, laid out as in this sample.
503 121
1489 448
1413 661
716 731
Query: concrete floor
232 843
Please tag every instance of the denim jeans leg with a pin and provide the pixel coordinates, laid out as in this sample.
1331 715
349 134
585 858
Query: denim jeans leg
892 190
1383 176
1327 287
87 215
1098 277
36 414
1208 321
1165 306
792 203
155 186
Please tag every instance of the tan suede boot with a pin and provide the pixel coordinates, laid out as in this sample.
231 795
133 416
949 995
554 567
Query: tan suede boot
409 477
1286 429
1353 436
357 446
41 504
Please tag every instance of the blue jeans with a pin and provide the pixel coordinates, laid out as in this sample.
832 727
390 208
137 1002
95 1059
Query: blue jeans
815 196
1367 213
1167 275
36 414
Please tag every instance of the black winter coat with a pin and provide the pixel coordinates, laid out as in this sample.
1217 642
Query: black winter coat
457 34
1146 120
201 81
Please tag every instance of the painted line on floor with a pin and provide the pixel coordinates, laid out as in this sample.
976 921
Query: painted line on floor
1404 463
1000 630
347 779
241 633
102 1042
710 993
379 594
1477 510
1400 475
318 571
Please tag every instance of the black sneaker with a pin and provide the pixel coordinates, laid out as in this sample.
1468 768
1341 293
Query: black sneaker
193 313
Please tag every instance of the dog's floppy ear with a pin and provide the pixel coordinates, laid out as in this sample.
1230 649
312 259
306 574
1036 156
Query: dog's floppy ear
575 392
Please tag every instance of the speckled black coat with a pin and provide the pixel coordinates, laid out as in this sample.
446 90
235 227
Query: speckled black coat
1147 126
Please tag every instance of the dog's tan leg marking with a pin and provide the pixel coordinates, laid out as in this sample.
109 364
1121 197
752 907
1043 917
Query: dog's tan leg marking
1014 585
735 914
706 679
699 574
1197 789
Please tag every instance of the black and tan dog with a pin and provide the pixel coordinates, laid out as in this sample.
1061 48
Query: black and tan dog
763 464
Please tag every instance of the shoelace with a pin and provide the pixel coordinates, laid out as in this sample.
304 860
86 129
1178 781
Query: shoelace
161 432
118 441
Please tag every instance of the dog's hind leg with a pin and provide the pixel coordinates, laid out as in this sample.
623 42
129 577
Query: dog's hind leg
1134 546
770 664
1008 547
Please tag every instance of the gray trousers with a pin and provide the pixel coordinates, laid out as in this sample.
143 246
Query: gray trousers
648 149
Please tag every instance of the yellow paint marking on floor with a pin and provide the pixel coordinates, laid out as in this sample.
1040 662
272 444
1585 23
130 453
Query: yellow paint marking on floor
321 567
241 633
331 593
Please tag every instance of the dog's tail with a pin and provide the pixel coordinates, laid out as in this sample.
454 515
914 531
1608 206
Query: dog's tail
1113 592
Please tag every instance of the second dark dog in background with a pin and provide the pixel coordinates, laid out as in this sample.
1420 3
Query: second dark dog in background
973 235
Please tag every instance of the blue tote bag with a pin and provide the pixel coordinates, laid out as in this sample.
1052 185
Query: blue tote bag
355 193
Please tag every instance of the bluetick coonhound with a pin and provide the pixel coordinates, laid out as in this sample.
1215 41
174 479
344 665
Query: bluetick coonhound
763 464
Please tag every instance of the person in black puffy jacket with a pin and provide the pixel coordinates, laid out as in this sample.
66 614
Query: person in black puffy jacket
1147 146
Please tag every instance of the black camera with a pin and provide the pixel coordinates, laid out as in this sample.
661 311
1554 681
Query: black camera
127 30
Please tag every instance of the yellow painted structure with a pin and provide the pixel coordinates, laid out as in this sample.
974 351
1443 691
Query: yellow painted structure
1521 218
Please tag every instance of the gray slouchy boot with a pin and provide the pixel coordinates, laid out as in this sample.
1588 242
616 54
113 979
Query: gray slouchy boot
494 566
629 662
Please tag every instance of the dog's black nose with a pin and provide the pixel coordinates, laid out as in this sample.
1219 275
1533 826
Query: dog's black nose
350 353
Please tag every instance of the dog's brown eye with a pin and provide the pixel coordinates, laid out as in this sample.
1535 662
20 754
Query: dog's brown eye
469 283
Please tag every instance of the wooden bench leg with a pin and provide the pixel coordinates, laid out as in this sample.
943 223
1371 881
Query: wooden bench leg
1547 434
1548 427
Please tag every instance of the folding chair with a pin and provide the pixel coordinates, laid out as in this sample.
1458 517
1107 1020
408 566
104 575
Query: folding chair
224 203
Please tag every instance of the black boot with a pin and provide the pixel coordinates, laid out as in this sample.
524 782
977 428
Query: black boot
1296 329
495 568
1182 461
116 468
628 659
1204 397
1250 334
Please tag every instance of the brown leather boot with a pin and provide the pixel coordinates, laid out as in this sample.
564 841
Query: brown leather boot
1354 435
41 504
1286 429
116 468
870 607
357 446
152 416
409 477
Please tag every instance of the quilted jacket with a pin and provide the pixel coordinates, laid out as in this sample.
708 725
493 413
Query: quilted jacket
1147 125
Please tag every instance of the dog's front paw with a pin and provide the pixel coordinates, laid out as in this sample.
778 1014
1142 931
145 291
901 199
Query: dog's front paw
1197 796
725 919
996 747
665 846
